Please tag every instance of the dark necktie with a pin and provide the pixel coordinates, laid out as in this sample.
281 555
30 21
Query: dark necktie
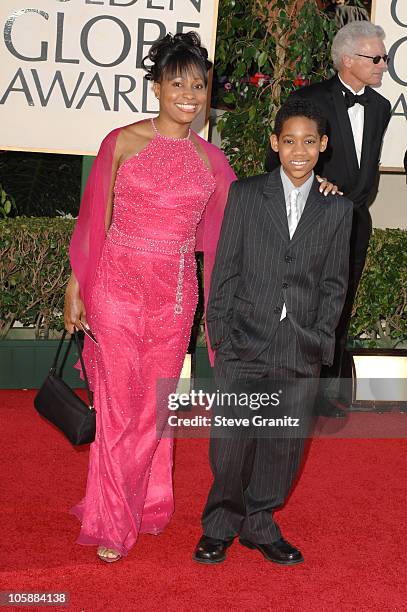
351 99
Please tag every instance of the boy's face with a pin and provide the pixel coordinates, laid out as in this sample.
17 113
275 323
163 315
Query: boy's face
299 146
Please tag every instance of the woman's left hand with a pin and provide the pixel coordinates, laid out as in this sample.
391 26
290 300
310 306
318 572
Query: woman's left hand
327 187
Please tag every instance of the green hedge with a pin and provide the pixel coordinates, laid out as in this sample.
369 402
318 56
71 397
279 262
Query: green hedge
380 309
34 269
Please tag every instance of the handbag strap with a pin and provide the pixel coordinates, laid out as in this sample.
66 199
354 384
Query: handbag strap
59 370
85 376
60 345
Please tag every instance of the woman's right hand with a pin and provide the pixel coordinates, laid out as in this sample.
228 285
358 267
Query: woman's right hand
74 308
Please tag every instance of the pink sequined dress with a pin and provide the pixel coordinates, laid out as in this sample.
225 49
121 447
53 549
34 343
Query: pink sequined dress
143 303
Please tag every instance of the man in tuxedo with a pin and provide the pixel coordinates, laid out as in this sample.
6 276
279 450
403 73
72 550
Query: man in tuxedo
277 291
357 119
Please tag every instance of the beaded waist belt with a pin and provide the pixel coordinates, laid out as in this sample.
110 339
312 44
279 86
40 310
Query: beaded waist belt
141 243
166 247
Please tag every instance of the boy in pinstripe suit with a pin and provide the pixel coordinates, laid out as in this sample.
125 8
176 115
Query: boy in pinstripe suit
277 291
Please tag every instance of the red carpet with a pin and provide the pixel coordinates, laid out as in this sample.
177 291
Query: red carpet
347 514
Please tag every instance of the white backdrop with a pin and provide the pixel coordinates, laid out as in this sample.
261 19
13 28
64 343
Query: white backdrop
392 16
70 69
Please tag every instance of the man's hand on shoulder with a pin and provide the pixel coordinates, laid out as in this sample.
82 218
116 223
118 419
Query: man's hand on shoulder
327 187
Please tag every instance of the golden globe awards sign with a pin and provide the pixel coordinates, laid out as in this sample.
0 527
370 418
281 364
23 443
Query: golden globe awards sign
392 16
71 69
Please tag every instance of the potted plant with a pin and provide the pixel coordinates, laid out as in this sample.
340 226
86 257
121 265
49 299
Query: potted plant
266 49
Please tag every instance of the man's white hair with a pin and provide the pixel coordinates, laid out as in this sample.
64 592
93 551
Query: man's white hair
347 39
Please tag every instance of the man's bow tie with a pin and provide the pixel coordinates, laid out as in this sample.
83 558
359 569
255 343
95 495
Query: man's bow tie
351 99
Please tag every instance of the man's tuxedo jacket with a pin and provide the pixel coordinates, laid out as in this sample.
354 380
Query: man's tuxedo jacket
339 163
258 268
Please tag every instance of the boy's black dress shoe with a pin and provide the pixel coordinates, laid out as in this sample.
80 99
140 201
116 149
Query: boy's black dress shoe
279 552
211 550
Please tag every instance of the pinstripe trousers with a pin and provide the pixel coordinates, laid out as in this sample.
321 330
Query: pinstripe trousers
253 473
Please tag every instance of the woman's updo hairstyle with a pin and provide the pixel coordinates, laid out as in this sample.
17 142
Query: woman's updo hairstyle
172 56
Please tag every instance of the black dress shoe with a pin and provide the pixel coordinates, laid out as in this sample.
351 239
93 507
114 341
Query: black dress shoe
279 552
211 550
329 408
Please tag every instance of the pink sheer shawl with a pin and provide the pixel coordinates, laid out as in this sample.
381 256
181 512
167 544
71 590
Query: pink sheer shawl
89 233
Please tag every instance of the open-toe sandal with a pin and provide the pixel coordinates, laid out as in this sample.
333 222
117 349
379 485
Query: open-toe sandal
108 555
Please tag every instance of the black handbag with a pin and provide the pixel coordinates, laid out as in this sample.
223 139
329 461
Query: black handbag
60 405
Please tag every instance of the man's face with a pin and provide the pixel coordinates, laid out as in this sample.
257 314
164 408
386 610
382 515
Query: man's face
362 69
298 146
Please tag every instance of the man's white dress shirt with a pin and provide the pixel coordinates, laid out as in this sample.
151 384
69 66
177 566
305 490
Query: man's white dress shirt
357 120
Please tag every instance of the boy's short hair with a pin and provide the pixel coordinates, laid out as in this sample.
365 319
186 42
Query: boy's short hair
300 108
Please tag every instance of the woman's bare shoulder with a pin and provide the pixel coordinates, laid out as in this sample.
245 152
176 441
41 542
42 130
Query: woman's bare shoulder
132 139
141 128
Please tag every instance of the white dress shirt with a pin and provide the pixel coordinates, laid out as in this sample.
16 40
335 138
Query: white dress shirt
357 120
293 217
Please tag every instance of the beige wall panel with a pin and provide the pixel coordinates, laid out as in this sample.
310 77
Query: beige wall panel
390 206
392 16
92 48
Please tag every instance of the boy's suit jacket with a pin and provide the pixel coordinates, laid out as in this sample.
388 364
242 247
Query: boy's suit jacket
339 162
258 269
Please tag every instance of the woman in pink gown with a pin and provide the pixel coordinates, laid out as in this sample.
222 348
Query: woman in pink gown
156 189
